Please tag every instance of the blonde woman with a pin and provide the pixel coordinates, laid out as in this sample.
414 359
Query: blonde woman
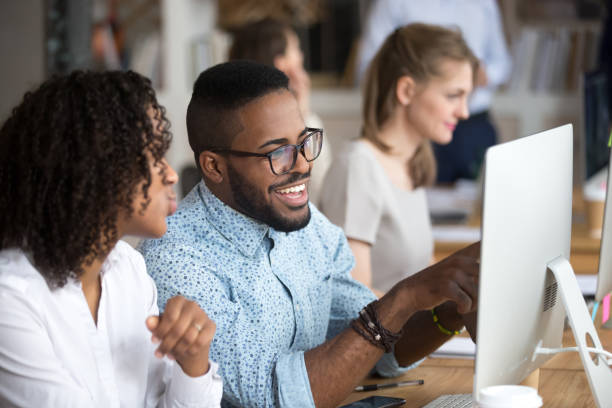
416 90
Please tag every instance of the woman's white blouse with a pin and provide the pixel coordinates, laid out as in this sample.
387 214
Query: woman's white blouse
52 354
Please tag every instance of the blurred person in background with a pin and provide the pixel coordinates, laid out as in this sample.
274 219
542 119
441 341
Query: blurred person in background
274 43
416 91
480 24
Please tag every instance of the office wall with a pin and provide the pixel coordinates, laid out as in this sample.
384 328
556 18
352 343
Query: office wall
21 50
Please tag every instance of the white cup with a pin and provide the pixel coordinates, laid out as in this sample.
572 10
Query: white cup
509 396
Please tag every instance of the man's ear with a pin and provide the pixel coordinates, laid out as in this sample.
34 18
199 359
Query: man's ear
213 166
280 62
404 90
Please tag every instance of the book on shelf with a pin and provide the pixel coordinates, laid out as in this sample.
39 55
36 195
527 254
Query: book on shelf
551 60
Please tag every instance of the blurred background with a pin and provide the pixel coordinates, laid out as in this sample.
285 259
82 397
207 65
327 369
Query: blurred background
553 43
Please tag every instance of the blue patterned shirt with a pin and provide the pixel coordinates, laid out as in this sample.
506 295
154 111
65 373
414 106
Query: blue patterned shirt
273 295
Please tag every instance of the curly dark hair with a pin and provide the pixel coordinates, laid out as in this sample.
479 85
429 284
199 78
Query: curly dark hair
72 156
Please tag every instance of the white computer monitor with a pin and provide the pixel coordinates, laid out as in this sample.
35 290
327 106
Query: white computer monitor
526 223
604 274
527 285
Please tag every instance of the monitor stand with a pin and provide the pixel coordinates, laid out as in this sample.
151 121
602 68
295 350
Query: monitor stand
596 367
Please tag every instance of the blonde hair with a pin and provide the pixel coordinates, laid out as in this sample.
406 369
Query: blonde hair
415 50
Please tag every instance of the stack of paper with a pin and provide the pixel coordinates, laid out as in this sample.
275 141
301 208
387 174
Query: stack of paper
457 347
587 284
455 233
452 203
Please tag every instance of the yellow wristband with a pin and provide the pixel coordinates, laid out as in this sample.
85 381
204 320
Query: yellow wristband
443 329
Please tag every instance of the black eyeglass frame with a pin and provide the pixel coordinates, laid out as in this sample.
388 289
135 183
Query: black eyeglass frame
296 148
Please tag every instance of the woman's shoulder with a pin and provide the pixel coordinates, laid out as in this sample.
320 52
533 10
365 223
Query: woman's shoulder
19 279
15 263
126 263
355 174
123 249
354 159
125 253
357 149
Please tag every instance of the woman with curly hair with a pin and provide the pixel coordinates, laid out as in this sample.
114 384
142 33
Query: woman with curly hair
82 165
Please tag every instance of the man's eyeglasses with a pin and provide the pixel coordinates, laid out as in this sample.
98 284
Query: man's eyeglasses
282 159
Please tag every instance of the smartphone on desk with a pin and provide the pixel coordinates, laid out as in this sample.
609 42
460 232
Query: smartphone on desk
376 401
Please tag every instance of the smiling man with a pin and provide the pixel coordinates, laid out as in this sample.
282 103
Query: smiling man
281 204
273 272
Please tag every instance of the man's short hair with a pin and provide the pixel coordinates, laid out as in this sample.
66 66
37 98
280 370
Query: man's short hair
218 93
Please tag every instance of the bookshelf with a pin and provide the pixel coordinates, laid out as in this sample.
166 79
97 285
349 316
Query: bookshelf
549 58
518 109
552 45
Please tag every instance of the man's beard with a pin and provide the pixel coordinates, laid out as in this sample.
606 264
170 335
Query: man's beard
251 203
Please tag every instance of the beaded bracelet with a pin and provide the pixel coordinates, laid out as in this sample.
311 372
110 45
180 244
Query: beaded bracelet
443 329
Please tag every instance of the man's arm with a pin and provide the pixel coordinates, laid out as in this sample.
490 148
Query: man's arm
362 251
337 366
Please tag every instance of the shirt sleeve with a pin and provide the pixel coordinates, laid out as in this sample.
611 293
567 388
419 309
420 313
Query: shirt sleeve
30 372
184 391
254 374
496 59
349 297
383 18
168 386
352 197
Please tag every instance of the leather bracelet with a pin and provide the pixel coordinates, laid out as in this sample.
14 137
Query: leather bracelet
366 335
376 333
386 334
443 329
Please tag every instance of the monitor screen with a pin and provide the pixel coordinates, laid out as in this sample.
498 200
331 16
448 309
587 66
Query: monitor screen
526 223
604 275
596 122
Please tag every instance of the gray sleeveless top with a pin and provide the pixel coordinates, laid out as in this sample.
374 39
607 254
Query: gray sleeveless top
358 196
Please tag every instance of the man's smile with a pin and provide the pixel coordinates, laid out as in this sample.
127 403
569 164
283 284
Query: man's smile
293 196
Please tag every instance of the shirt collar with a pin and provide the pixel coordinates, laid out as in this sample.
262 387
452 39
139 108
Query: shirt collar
243 231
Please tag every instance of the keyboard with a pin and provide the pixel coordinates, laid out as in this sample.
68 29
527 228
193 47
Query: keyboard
451 401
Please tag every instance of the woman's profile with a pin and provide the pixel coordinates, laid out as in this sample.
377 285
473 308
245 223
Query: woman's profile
416 91
81 166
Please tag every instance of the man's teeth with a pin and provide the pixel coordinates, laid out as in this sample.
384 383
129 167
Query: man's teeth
294 189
